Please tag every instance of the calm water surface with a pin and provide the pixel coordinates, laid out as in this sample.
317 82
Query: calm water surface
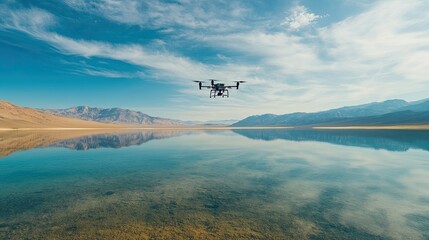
242 184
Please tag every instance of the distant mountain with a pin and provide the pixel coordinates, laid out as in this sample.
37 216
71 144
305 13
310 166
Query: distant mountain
13 116
389 112
214 122
113 115
419 106
396 118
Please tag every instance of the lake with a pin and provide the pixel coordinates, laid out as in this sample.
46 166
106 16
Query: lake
239 184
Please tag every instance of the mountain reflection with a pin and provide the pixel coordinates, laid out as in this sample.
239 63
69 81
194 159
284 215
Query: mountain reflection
14 141
117 140
391 140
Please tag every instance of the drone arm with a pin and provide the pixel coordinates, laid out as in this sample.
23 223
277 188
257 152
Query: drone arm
238 83
200 85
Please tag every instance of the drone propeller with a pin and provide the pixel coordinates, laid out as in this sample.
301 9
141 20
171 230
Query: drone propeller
213 80
238 83
200 83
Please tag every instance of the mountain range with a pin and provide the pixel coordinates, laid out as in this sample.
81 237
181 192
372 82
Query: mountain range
391 112
112 115
225 122
13 116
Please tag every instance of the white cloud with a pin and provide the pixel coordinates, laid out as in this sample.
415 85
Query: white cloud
191 14
299 17
387 44
34 19
166 63
287 53
105 73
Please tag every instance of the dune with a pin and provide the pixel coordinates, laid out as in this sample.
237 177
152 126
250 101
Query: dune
16 117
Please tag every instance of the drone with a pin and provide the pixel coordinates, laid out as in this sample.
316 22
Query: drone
218 89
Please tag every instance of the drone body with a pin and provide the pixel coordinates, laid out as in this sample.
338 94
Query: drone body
218 89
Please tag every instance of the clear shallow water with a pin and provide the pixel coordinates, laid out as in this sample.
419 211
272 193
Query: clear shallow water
267 184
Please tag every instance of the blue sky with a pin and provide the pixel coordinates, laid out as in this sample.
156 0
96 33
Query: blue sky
295 55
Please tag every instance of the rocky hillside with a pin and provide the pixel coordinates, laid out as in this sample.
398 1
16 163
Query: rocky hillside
391 112
13 116
113 115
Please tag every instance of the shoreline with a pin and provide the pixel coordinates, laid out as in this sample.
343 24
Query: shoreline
392 127
140 128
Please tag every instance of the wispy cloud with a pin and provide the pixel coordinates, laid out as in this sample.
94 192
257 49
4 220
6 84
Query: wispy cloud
385 44
37 22
192 14
299 17
26 20
106 73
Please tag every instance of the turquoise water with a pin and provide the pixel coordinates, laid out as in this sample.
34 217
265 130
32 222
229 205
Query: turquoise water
241 184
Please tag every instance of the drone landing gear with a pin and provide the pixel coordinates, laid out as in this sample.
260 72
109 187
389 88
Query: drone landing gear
225 93
214 93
